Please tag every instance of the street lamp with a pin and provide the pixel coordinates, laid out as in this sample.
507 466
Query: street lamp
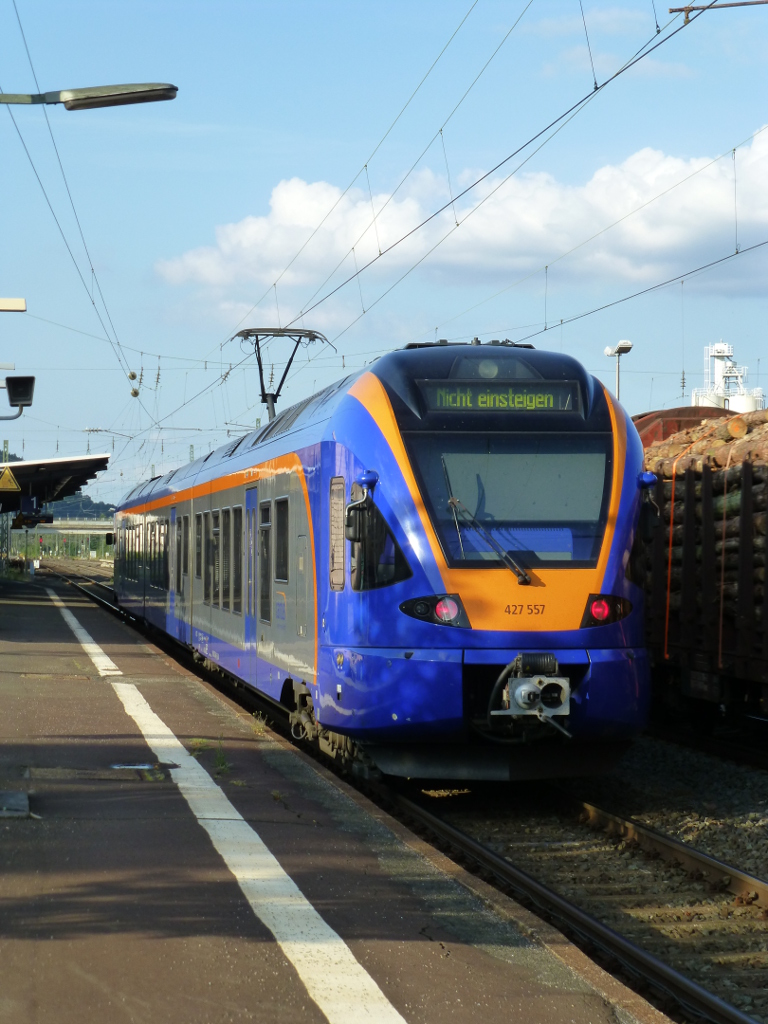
97 96
21 391
621 350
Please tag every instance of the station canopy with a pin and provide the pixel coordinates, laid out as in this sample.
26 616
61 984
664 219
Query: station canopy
26 486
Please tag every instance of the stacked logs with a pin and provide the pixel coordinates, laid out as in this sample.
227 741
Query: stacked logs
721 442
722 445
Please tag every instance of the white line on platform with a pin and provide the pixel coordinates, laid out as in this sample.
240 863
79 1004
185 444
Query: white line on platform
104 664
340 986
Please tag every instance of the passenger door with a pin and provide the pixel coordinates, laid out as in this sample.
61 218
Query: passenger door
251 593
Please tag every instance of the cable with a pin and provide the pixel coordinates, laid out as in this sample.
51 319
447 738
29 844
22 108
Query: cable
644 51
655 16
118 353
127 348
652 288
157 423
589 48
413 166
602 230
61 230
565 118
375 150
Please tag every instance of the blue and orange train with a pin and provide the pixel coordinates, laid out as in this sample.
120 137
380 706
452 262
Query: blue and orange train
427 566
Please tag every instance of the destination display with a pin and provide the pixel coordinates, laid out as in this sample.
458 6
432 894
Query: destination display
501 396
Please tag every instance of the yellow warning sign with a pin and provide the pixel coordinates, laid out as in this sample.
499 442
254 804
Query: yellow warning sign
8 480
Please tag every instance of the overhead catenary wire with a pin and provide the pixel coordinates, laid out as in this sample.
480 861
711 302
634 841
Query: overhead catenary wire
655 16
62 233
589 48
654 287
306 307
373 153
643 52
94 277
597 234
735 206
448 175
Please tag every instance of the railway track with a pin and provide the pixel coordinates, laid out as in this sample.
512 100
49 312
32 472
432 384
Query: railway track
689 926
84 574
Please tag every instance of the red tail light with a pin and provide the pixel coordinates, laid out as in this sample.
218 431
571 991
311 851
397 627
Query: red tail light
444 609
603 609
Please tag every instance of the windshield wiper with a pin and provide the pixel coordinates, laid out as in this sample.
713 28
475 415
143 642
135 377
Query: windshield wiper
455 516
458 508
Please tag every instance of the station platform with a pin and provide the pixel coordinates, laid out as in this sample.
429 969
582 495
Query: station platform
182 863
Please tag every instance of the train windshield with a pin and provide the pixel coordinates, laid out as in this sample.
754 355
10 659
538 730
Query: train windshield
543 498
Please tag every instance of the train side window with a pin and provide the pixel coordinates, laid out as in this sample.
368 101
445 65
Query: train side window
207 544
215 557
179 548
198 545
336 547
226 540
281 540
376 560
185 548
265 563
237 560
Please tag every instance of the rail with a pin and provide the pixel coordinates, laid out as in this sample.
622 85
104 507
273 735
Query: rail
687 993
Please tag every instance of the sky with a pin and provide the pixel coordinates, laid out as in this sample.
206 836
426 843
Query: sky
307 138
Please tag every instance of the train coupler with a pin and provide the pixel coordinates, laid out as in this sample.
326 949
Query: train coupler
530 686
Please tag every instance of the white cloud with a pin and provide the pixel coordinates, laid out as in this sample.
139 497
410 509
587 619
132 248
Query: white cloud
577 59
532 220
608 20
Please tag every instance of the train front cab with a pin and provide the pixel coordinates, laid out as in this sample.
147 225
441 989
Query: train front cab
410 660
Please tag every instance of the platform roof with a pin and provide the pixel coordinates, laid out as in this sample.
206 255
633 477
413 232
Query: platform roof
47 479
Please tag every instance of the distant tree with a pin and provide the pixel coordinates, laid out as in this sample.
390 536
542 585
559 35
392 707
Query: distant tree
80 506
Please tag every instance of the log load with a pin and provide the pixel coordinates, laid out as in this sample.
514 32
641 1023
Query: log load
704 570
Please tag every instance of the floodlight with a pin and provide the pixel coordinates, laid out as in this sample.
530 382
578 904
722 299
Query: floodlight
20 391
622 349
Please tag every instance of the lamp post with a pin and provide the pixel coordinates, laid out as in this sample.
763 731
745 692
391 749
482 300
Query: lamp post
620 350
97 96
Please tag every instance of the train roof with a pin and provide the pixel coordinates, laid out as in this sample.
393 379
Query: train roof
305 422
